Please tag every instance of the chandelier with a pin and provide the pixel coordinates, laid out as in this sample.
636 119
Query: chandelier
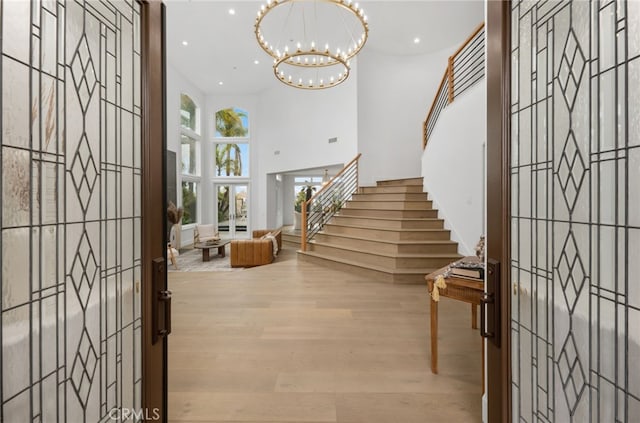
311 42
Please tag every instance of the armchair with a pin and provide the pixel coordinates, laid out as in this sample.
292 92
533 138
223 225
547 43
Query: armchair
256 251
204 233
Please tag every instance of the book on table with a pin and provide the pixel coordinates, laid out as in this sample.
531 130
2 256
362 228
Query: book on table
470 273
469 268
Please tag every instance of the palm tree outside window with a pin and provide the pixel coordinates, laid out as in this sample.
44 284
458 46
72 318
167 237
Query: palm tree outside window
231 158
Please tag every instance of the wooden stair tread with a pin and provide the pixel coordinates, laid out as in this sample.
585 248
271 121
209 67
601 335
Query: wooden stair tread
388 229
373 208
396 271
454 256
386 241
395 219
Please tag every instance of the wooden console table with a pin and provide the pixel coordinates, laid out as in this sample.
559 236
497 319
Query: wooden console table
466 290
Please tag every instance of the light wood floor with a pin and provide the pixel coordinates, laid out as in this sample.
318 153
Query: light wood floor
295 342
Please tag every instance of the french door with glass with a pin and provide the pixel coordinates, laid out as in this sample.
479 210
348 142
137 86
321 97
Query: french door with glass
232 210
571 227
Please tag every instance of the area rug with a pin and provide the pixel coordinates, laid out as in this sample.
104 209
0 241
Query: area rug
191 261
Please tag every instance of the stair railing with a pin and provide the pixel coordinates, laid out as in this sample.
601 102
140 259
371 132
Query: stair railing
325 203
464 69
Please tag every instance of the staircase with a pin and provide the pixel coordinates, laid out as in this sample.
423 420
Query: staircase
390 232
290 238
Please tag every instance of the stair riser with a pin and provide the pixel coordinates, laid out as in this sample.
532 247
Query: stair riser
376 260
388 248
412 181
377 234
371 275
392 189
391 205
406 196
389 213
390 224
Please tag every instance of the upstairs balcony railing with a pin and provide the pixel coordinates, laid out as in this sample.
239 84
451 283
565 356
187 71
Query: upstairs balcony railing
328 201
464 69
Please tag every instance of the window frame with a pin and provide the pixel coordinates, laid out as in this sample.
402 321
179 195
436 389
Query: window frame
186 177
246 137
215 144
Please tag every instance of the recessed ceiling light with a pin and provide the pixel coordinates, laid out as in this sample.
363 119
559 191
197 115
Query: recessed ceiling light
220 83
416 40
256 62
185 43
232 11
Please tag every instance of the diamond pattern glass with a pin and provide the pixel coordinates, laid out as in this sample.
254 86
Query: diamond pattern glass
574 188
70 212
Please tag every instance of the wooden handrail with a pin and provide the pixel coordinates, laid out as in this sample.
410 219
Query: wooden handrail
435 100
305 205
468 40
448 76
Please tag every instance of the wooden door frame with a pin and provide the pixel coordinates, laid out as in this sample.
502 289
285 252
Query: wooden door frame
498 35
154 356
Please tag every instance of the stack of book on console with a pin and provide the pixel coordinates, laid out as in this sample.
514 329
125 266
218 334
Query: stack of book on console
468 268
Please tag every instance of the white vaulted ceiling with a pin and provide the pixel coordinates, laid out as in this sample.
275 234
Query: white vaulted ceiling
222 47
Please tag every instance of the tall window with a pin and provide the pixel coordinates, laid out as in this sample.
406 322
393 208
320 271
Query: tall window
232 158
189 202
190 157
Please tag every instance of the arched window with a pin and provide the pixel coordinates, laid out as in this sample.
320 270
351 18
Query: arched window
190 157
232 122
189 114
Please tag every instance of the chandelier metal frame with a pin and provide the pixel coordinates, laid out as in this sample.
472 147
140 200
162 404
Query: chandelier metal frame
312 57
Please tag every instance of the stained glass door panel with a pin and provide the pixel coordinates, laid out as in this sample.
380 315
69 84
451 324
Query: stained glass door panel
575 226
71 212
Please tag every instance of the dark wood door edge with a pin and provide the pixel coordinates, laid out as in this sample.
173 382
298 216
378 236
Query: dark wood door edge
153 192
498 199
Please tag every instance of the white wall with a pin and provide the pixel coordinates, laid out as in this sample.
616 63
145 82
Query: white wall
453 167
176 85
394 95
298 124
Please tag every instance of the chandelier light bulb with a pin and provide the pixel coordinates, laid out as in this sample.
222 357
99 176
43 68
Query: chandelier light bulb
305 60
